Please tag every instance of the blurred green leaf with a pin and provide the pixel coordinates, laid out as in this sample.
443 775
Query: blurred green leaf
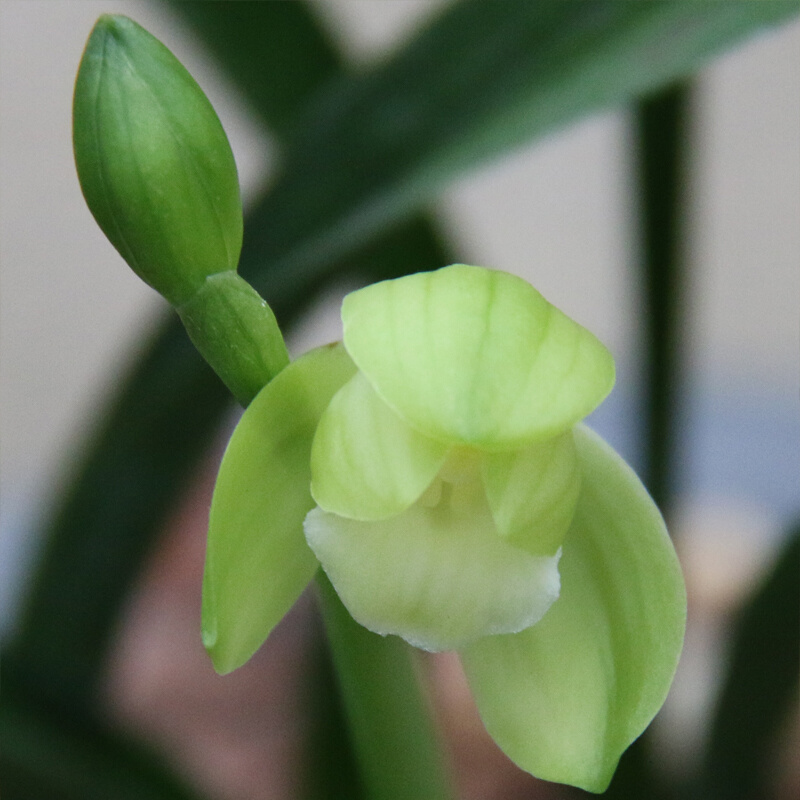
44 754
662 145
759 691
482 78
662 161
277 54
144 449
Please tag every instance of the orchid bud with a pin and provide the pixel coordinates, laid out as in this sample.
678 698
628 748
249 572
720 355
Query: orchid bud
154 163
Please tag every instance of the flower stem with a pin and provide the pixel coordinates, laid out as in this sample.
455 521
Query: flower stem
236 332
393 737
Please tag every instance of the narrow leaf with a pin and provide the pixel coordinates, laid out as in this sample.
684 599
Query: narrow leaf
47 754
483 78
759 690
277 54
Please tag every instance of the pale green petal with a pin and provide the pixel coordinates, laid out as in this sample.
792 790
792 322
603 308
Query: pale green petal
475 356
565 698
257 560
366 463
437 576
533 492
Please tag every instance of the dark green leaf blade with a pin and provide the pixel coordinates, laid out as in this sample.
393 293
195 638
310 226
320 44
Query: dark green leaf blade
151 437
662 124
141 457
759 692
46 754
276 53
483 78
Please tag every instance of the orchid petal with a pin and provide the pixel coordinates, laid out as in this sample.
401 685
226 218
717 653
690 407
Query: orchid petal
474 356
366 463
257 561
437 576
533 492
566 697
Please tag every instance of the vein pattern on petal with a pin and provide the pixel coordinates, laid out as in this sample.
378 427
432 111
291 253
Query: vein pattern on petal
566 697
437 576
366 462
475 356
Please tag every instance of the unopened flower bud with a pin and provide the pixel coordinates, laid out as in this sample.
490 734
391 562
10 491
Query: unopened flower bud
154 163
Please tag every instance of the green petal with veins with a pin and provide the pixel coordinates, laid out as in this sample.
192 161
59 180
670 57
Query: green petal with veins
533 492
438 576
366 463
257 560
565 698
474 356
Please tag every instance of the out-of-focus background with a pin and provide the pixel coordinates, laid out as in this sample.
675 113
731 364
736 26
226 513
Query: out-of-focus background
557 213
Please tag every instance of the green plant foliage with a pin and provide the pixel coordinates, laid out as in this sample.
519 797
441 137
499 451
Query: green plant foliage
479 80
45 753
498 74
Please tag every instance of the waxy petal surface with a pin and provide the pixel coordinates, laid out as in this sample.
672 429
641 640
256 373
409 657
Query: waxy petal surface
566 697
257 561
475 356
366 462
533 492
437 576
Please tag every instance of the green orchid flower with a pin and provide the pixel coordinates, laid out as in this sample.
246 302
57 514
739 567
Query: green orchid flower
435 466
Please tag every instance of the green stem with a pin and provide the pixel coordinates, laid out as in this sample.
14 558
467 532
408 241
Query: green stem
661 123
236 332
393 737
